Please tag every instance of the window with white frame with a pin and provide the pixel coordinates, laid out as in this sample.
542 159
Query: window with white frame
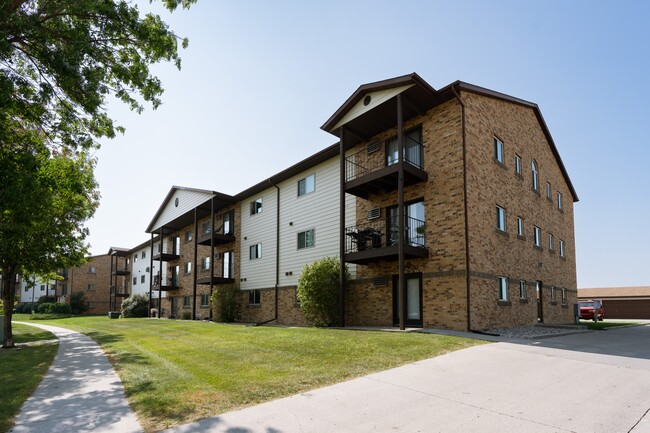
188 235
135 257
205 300
306 185
535 175
548 190
560 205
518 164
537 237
503 288
520 226
186 301
187 268
553 294
256 251
498 150
563 296
256 206
561 248
92 270
522 289
550 242
501 219
205 263
91 287
306 239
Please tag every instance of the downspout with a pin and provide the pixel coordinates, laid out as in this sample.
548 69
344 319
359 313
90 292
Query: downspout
150 278
277 255
467 267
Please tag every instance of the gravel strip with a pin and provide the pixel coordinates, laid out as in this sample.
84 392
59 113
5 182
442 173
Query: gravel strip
531 332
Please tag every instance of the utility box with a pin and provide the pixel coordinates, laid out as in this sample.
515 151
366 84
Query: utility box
113 314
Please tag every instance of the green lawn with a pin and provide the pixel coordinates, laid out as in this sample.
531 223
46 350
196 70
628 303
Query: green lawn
21 370
180 371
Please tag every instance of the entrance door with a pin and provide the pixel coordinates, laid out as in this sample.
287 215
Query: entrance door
540 304
174 308
412 300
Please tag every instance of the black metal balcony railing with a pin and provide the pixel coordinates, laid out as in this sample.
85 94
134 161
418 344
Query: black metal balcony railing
173 281
383 234
361 163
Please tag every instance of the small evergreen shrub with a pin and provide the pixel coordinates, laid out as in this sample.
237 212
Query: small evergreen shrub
78 302
135 306
318 291
44 308
226 303
186 315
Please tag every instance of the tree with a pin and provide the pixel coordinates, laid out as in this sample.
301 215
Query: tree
318 291
135 306
60 61
225 302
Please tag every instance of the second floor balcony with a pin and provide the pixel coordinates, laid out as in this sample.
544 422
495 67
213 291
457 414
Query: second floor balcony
221 235
170 250
169 283
224 272
122 270
378 240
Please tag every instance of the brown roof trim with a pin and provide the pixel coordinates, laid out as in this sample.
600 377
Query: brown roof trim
118 251
411 78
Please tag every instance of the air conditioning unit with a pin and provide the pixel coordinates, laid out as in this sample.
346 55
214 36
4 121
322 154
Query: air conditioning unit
373 147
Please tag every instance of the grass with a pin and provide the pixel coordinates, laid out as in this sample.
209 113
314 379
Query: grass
22 369
180 371
600 326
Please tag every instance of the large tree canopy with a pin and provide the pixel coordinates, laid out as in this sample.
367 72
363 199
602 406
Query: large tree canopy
59 62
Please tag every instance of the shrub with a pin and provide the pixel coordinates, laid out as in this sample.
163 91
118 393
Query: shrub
135 306
77 302
60 308
44 307
225 303
318 291
186 315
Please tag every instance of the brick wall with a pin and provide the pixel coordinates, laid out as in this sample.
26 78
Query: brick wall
94 286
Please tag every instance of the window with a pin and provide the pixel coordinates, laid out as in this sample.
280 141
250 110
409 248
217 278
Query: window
64 289
560 205
563 296
414 226
561 248
306 185
188 235
537 237
256 251
553 294
550 241
92 270
205 263
205 300
206 227
254 297
501 219
142 279
522 289
548 190
135 280
186 301
498 150
520 226
147 269
306 239
144 254
503 288
535 176
256 206
135 257
188 267
26 289
518 165
91 287
412 148
228 264
42 287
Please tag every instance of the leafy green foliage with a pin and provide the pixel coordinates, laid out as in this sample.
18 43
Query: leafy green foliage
186 315
78 302
54 308
226 303
135 306
318 291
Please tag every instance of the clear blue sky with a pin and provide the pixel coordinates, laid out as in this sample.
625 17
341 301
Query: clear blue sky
259 78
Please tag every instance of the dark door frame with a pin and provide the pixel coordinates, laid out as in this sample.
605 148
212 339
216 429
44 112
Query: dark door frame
539 288
407 322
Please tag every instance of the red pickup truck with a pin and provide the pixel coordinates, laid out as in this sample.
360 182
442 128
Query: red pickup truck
587 310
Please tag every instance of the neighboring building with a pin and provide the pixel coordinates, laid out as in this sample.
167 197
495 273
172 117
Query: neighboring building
93 279
31 291
452 208
621 302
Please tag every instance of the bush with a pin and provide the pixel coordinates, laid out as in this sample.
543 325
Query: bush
44 307
77 303
24 308
318 291
226 303
53 308
135 306
186 315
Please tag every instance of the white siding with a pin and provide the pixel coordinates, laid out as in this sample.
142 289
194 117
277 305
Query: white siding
187 201
376 99
31 294
255 229
139 268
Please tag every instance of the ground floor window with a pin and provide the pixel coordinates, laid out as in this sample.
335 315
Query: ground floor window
503 288
186 301
563 296
205 300
254 297
522 289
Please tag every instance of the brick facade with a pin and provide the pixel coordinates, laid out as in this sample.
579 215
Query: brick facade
93 280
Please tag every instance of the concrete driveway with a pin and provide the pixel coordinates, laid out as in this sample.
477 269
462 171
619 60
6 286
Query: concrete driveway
592 383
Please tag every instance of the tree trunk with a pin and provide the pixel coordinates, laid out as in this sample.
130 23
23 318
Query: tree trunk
8 295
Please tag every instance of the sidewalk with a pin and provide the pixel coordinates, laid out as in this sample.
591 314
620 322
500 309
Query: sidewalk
80 392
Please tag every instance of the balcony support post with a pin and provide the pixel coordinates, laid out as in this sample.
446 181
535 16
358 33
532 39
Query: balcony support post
342 176
111 287
151 278
400 213
196 235
160 263
211 251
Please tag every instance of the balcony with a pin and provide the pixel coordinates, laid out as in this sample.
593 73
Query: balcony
169 254
121 292
122 271
167 284
222 235
373 172
221 276
376 241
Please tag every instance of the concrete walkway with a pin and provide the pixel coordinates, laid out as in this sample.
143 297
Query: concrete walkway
80 392
596 382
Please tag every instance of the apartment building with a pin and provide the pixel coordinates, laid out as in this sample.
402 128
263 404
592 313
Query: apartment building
93 279
452 208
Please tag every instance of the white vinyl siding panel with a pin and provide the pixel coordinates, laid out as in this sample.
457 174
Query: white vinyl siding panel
259 228
139 268
187 201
